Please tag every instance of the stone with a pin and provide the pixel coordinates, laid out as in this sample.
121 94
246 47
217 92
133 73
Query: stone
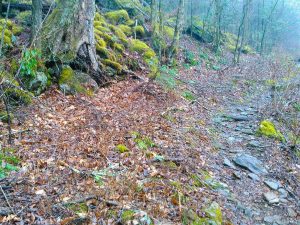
274 185
291 212
283 193
254 144
228 163
271 197
253 176
237 175
238 118
250 163
39 83
272 219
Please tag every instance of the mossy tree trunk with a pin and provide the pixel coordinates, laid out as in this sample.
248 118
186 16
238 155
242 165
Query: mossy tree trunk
67 36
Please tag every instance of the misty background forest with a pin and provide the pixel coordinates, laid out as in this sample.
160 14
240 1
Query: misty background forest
150 112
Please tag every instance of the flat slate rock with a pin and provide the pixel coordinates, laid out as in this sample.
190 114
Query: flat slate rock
274 185
228 163
250 163
238 118
271 197
254 176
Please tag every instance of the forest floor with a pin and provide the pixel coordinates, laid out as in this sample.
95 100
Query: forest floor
177 153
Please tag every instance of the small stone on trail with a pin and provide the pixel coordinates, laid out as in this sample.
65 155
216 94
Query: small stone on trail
251 163
238 118
237 175
228 163
283 193
254 144
273 219
253 176
291 212
274 185
271 197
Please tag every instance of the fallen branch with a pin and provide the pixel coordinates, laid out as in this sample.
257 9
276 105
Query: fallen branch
6 199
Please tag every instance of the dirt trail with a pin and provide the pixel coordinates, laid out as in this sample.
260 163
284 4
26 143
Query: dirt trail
173 163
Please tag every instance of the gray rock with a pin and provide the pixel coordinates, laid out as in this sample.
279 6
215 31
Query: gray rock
271 197
273 219
238 118
283 193
39 83
291 212
228 163
254 144
253 176
250 163
274 185
247 131
237 175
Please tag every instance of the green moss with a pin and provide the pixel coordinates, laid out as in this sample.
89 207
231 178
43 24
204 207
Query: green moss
268 129
122 148
138 46
117 66
24 17
119 47
99 18
17 30
102 29
247 50
105 53
18 96
79 208
4 116
118 17
127 216
68 82
100 41
126 29
9 23
139 30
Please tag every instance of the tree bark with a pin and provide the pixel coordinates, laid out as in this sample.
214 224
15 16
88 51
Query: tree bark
0 8
178 29
37 17
68 35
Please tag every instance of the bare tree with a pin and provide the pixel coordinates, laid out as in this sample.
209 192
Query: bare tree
178 29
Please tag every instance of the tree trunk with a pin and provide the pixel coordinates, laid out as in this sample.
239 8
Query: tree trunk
37 17
0 8
68 35
178 29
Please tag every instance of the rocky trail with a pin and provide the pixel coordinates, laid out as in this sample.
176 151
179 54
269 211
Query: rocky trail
262 177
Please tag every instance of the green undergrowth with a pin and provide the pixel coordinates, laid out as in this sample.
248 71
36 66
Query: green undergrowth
8 162
142 142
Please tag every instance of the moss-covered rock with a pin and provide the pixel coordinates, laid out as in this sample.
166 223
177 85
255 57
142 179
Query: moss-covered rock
140 31
268 129
114 65
126 29
18 96
118 17
68 82
39 83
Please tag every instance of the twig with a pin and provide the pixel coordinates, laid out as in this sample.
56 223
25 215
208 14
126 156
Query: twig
6 199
